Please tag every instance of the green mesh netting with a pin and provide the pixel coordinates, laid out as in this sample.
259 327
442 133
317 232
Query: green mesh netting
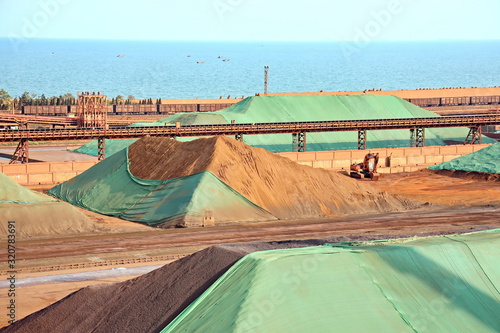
485 160
109 188
435 284
265 109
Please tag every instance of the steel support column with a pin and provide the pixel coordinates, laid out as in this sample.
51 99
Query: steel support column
362 139
239 137
21 153
420 137
101 148
474 136
417 137
299 141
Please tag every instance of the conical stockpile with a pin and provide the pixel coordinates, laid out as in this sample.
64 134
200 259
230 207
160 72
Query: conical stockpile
167 183
37 215
277 184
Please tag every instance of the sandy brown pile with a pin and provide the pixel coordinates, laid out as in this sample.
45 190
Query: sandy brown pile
47 219
275 183
38 215
151 301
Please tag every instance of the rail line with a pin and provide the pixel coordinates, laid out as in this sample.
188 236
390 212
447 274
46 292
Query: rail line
215 105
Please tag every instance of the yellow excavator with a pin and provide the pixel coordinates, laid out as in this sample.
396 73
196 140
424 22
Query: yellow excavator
366 169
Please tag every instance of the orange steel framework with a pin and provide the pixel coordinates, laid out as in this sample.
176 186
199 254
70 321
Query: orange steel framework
91 111
297 129
21 153
474 135
24 120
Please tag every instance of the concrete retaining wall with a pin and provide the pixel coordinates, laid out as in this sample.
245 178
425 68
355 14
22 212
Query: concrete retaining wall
45 172
391 160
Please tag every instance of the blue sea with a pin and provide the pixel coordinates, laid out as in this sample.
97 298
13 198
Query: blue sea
154 69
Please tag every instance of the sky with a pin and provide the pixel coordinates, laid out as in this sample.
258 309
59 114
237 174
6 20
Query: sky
252 20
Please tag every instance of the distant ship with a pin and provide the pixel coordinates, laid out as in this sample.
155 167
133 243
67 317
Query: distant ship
120 56
225 60
220 57
200 62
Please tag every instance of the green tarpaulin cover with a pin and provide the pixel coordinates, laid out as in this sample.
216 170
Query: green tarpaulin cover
485 160
435 284
268 109
112 146
109 188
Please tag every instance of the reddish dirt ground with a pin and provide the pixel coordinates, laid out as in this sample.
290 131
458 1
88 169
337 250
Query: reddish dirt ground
451 204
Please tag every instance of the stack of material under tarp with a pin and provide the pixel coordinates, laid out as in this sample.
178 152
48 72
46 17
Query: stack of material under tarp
271 109
434 284
166 183
36 214
110 188
441 284
486 160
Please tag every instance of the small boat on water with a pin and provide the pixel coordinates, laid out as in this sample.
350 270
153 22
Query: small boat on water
121 56
200 62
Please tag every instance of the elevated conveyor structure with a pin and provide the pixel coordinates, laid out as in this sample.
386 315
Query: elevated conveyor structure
247 129
297 129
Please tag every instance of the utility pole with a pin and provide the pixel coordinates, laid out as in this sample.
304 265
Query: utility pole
266 79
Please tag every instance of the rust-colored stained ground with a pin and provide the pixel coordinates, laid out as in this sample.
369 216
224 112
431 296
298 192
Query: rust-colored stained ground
454 204
439 188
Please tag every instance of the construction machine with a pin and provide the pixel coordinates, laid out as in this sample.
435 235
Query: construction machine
366 169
